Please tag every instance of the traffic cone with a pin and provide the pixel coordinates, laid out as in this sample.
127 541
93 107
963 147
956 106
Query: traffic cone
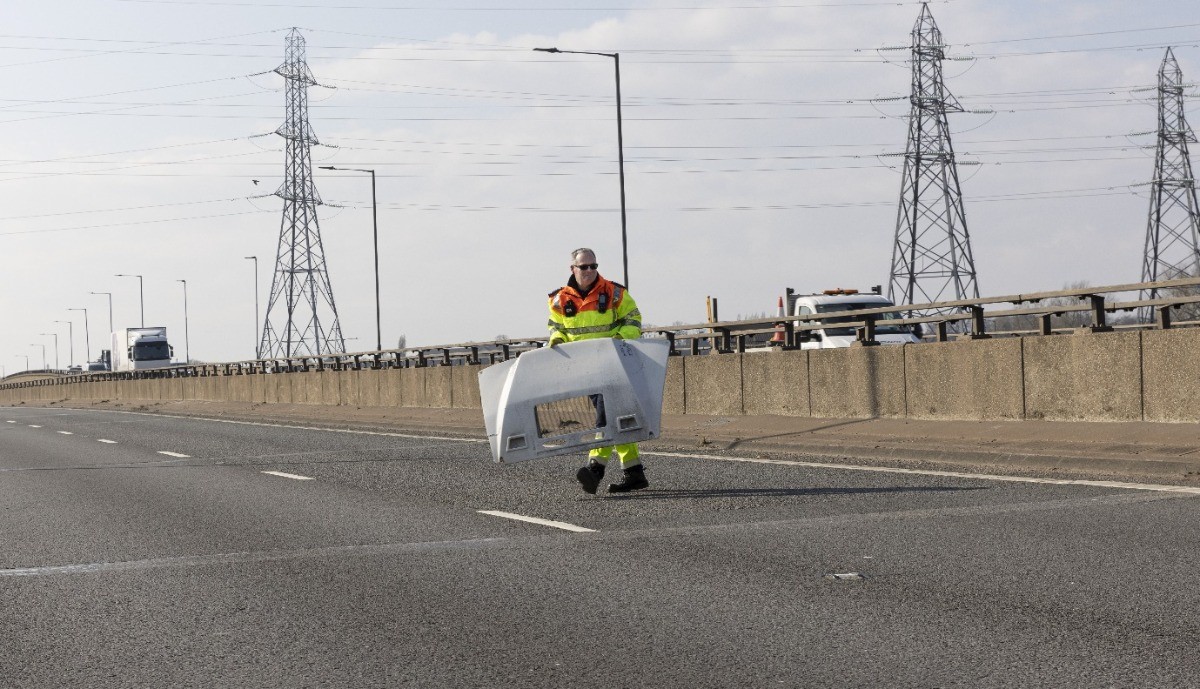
779 338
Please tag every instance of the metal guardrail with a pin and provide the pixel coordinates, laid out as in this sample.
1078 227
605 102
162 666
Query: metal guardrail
719 337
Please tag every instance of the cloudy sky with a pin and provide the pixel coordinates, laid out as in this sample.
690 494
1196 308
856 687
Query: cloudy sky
760 153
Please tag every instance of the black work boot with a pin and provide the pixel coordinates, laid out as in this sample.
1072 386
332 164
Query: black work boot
634 479
589 476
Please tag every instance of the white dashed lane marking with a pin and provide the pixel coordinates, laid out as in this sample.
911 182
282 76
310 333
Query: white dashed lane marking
102 440
66 432
172 454
33 426
296 477
535 520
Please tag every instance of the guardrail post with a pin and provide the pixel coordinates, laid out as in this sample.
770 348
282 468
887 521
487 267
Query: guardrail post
726 345
1098 316
977 323
1044 327
741 344
695 348
865 336
671 344
943 333
1163 316
789 335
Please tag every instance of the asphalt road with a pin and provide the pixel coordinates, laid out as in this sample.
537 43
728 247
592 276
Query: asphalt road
377 559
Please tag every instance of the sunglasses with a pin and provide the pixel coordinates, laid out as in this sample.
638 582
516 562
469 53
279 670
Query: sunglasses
587 266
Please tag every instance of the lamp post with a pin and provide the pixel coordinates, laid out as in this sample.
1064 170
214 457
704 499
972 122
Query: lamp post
110 321
187 352
70 338
56 366
35 344
375 234
620 145
141 294
87 338
257 340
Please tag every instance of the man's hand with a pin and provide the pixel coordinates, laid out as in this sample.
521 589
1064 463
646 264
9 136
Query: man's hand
555 343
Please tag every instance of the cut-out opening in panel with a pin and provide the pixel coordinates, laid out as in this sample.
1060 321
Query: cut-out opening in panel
571 415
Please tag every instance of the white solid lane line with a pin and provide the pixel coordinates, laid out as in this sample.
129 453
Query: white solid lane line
535 520
949 474
296 477
172 454
102 440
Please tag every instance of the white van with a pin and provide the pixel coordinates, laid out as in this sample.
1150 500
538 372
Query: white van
834 300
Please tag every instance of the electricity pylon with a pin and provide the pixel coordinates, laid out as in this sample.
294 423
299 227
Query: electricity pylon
1173 229
931 259
301 304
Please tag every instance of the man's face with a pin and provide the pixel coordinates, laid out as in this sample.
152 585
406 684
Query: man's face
584 269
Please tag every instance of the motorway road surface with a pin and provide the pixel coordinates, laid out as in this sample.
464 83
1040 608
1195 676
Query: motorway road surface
149 551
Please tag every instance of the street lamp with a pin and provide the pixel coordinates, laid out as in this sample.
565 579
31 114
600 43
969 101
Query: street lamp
70 337
87 338
620 145
56 366
375 232
187 352
109 295
141 294
257 342
44 366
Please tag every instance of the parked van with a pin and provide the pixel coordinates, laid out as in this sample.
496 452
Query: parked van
835 300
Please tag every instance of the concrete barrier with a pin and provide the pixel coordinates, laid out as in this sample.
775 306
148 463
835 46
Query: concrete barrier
413 387
776 382
673 395
1125 376
438 382
1170 376
713 384
857 382
969 380
464 387
368 387
391 387
1091 377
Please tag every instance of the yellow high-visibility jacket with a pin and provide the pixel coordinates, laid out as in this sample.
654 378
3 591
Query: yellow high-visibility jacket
607 310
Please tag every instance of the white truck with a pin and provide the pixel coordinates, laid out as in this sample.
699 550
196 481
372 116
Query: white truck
834 300
134 349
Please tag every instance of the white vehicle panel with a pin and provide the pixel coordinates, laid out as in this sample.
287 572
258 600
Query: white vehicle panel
559 385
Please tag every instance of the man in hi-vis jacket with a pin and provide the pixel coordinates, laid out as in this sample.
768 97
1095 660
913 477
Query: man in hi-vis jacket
588 307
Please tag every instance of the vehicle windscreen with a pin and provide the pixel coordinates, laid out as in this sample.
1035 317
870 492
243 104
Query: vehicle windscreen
151 351
882 327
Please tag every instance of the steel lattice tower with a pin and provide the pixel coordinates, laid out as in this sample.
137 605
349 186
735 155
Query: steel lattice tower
931 259
1173 229
305 316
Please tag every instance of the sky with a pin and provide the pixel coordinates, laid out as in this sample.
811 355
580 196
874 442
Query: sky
761 143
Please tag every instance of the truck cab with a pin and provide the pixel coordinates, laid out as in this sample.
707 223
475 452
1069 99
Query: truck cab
135 349
835 300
